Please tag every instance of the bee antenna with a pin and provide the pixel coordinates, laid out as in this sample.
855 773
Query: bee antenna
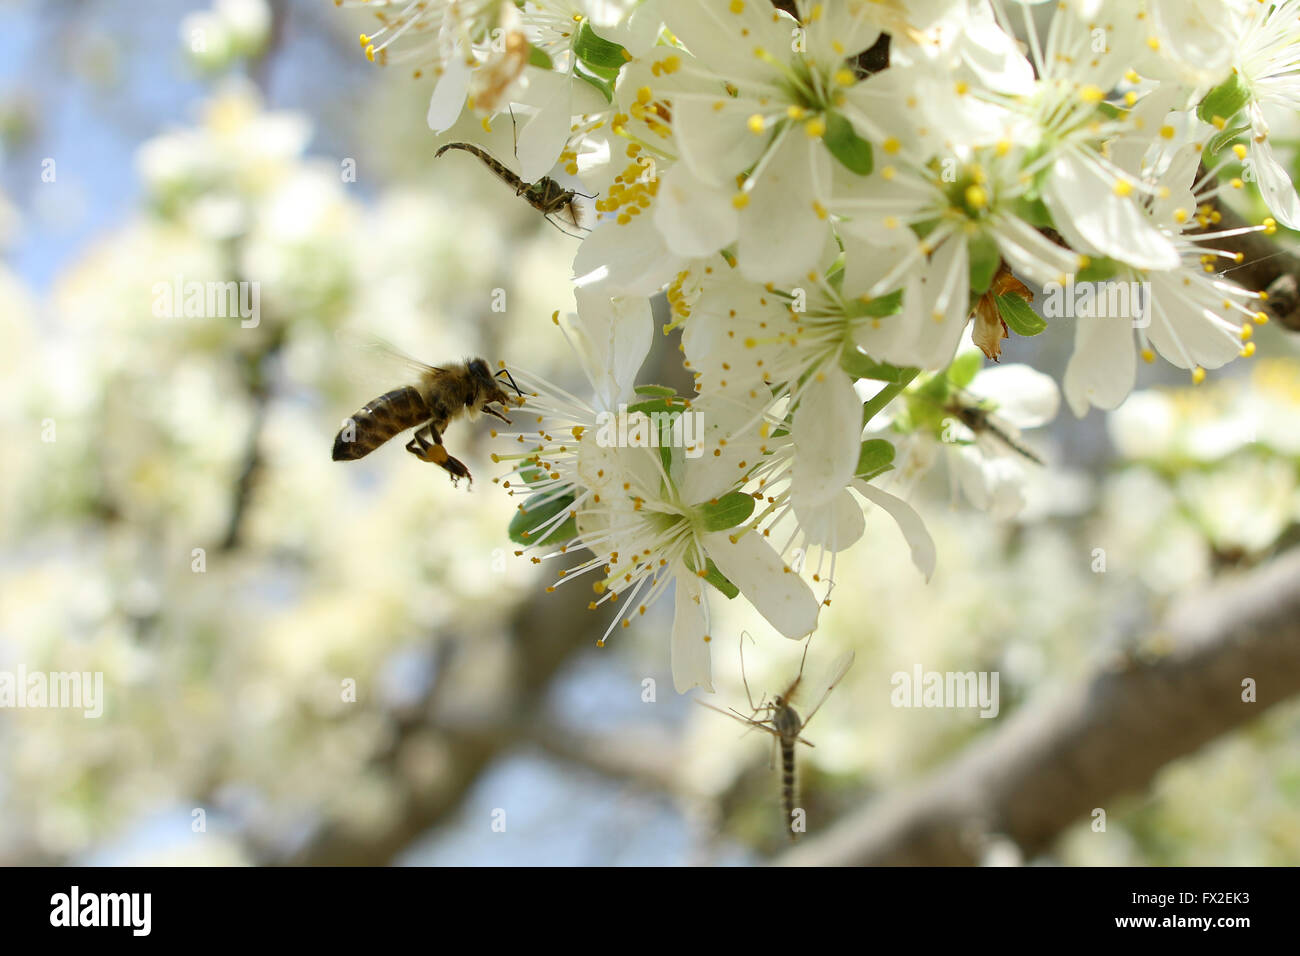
511 379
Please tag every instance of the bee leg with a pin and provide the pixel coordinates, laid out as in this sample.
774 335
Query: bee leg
433 451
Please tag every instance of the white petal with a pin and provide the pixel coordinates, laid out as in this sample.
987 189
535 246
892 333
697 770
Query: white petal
1104 364
909 522
1275 185
781 234
542 138
626 259
694 218
776 592
449 92
725 38
835 525
690 650
827 436
615 334
1025 397
716 143
1088 213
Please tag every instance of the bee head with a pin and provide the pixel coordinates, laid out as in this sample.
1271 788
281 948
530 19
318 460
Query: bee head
490 390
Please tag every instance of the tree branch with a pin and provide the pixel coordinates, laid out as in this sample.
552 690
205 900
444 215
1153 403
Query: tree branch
1066 753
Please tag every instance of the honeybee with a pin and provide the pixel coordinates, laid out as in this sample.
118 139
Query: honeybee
546 195
440 395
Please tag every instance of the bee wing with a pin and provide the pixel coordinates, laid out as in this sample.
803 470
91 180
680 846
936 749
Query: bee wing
839 667
374 361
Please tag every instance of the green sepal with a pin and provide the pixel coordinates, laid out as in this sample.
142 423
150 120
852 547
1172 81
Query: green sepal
721 514
526 522
1224 101
875 458
844 143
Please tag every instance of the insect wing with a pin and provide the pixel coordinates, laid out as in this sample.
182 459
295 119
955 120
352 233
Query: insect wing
376 362
839 667
747 721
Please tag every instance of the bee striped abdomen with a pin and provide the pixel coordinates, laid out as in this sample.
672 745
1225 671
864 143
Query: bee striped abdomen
379 420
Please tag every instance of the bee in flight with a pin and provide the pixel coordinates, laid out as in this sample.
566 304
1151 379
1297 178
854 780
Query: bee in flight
546 195
784 723
438 397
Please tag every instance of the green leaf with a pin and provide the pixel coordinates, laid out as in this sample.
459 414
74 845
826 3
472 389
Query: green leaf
540 58
984 261
525 525
847 146
731 509
964 368
876 458
1224 101
860 365
1019 315
598 53
715 577
656 391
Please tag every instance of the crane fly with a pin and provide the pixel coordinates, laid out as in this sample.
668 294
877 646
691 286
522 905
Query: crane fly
983 421
545 195
783 721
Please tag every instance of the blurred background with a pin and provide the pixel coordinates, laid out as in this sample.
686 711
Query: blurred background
313 662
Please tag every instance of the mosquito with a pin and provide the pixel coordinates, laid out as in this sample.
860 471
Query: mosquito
545 195
783 721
